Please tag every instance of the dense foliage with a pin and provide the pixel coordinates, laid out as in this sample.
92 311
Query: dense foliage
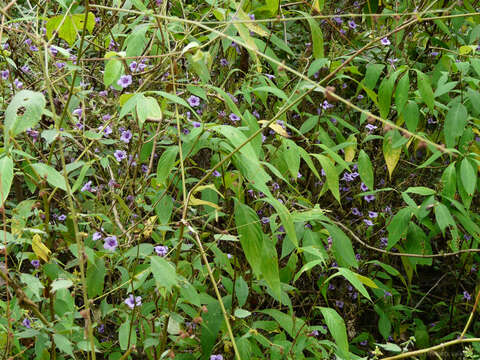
256 179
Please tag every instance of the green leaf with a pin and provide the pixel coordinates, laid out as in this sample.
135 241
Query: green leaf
63 344
371 76
398 227
455 122
163 272
165 163
285 217
401 93
411 114
54 178
443 217
474 97
425 89
6 177
342 246
113 71
331 175
24 111
365 169
60 284
449 181
241 291
148 108
469 176
126 332
385 91
95 277
337 328
317 37
70 27
420 190
354 280
137 41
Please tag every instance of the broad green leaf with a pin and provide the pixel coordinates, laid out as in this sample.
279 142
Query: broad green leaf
201 62
365 169
291 156
72 25
420 190
95 277
449 181
54 178
163 272
390 154
251 235
331 175
443 217
411 115
241 291
474 97
24 111
469 176
385 91
126 332
285 217
372 75
425 89
165 163
455 122
6 177
148 108
351 149
317 37
63 344
401 93
342 246
397 229
137 41
337 328
60 284
113 71
354 280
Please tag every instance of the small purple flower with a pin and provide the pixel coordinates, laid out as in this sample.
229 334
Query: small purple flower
270 77
25 69
33 48
360 97
387 294
265 220
368 222
216 173
234 117
133 66
26 322
363 187
369 198
356 212
434 53
339 303
96 236
314 333
35 263
120 155
88 186
101 328
383 242
385 41
216 357
62 217
223 62
338 20
352 24
331 286
194 101
107 131
370 127
161 250
467 296
133 301
126 136
111 243
103 93
18 84
196 124
358 257
77 112
125 81
4 74
363 343
372 214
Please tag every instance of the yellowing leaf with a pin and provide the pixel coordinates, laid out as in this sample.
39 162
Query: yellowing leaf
196 202
39 248
209 186
391 155
148 229
277 128
465 49
366 281
351 149
251 25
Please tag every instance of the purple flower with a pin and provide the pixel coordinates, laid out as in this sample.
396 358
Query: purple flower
356 212
161 250
364 343
111 243
126 136
352 24
125 81
18 84
234 117
434 53
103 93
107 131
26 322
360 97
363 187
133 301
372 214
25 69
339 303
96 236
4 74
133 66
62 217
368 222
120 155
196 124
338 20
223 62
77 112
383 242
467 296
216 173
33 48
369 198
35 263
387 294
265 220
270 77
101 328
194 101
331 286
370 127
314 333
385 41
216 357
88 186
